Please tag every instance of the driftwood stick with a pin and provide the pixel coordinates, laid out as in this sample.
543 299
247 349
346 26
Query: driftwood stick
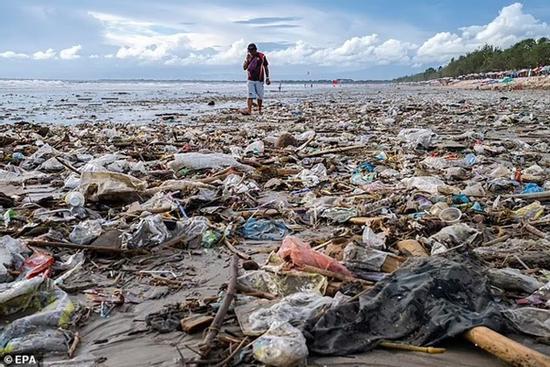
333 150
506 349
74 345
239 347
235 251
412 348
254 292
207 343
66 164
109 250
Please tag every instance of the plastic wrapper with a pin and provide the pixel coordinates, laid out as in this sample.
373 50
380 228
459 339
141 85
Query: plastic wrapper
85 232
149 231
513 280
314 176
256 147
450 236
282 346
284 283
299 254
264 229
51 165
12 255
197 161
38 263
374 240
532 211
235 184
363 258
417 137
530 320
339 215
428 184
110 186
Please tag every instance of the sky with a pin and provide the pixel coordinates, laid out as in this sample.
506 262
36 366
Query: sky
206 40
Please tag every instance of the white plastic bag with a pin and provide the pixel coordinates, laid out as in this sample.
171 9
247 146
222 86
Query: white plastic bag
282 345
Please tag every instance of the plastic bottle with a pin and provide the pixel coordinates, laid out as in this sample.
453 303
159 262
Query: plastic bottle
75 199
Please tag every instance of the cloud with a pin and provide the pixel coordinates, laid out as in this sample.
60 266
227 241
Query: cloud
267 20
281 26
510 26
13 55
44 55
216 42
140 39
70 53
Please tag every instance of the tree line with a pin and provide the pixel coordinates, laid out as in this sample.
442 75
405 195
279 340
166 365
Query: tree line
525 54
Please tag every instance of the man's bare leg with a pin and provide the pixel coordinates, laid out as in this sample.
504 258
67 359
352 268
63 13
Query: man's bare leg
260 106
249 103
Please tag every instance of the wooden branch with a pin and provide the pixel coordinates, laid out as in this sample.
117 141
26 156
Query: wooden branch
110 250
412 348
235 251
506 349
333 150
69 166
207 344
254 292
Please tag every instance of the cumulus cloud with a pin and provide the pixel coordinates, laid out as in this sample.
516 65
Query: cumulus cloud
173 45
140 39
44 55
70 53
510 26
13 55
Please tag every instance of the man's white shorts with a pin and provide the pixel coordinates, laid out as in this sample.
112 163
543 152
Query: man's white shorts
255 89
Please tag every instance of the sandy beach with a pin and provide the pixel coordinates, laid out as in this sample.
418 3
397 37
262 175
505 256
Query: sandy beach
336 129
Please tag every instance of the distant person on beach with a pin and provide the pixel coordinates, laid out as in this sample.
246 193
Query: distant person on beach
257 67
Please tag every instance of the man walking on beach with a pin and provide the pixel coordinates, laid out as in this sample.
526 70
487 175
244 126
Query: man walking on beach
257 67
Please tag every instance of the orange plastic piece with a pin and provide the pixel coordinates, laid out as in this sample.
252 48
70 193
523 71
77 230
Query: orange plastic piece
298 253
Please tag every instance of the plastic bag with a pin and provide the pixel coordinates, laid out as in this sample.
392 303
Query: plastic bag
424 183
298 253
294 309
264 229
284 283
85 232
50 309
450 236
374 240
256 147
417 137
197 161
12 253
531 187
364 259
282 346
314 176
530 320
150 231
110 186
532 211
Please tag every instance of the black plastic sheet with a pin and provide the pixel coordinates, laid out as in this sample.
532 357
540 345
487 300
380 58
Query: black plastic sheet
422 303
